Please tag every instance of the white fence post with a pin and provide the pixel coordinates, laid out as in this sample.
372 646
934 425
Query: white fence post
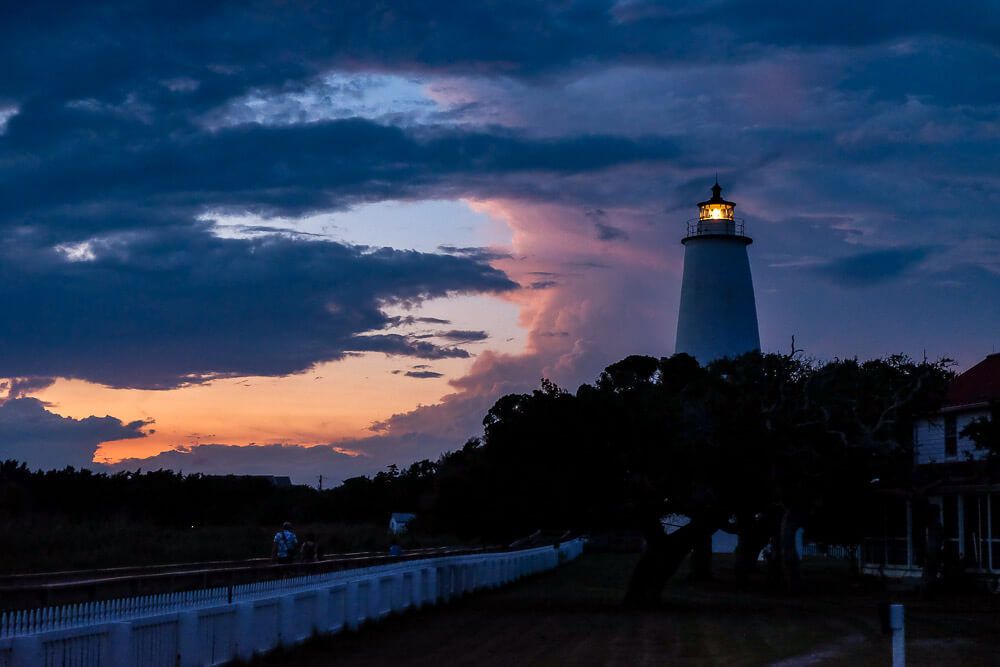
286 616
352 605
119 643
321 610
444 582
898 635
244 630
26 651
430 594
188 644
336 609
397 601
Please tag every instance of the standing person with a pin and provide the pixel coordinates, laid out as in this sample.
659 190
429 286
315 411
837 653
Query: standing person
310 549
284 545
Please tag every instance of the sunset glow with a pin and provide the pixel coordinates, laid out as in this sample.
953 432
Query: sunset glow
363 239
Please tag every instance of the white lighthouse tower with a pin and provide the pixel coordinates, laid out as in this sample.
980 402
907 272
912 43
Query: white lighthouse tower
718 314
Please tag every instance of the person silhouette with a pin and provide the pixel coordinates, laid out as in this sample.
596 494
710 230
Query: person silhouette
285 542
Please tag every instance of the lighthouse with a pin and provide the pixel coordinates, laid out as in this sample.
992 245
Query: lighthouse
718 314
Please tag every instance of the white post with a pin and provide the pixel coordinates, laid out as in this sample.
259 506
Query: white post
120 636
397 599
419 577
244 630
898 635
374 598
26 651
321 610
336 605
352 605
431 586
188 645
286 620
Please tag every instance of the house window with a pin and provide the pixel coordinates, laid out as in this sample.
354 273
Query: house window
950 436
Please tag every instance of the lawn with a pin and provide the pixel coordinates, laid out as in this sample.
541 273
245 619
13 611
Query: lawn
44 544
574 617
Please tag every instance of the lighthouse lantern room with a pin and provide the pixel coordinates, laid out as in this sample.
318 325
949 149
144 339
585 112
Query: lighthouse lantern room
716 208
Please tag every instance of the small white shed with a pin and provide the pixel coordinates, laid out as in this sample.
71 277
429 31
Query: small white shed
398 522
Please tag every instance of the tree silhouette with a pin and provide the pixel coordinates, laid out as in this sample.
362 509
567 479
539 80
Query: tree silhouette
760 446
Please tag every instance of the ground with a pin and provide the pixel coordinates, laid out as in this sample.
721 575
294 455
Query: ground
574 617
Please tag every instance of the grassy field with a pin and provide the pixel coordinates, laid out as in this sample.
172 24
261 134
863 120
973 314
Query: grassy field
48 545
574 617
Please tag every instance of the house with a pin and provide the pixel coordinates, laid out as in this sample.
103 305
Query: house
722 542
954 491
399 521
280 481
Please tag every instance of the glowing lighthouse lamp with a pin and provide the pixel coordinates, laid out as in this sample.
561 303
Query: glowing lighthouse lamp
718 313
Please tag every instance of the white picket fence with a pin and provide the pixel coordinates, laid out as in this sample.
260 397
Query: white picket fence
200 628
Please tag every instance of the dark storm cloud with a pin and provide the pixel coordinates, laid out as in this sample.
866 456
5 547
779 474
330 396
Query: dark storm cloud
606 232
109 162
106 135
301 463
410 320
86 172
942 71
43 439
159 309
203 52
483 254
21 387
462 335
856 23
423 375
872 268
408 345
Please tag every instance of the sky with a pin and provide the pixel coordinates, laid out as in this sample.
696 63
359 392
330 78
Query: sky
306 239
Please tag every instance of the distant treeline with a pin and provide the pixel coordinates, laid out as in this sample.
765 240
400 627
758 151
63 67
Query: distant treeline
73 519
457 495
172 499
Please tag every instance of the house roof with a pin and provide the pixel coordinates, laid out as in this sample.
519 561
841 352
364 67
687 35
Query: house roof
979 384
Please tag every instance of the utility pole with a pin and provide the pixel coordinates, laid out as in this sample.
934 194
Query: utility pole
321 482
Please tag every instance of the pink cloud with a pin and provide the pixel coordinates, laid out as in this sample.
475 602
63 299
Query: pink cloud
579 323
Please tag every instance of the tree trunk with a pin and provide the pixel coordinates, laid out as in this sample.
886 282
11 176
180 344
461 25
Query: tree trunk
791 522
752 536
664 554
701 559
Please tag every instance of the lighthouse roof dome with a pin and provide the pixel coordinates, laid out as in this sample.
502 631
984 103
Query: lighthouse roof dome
716 197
